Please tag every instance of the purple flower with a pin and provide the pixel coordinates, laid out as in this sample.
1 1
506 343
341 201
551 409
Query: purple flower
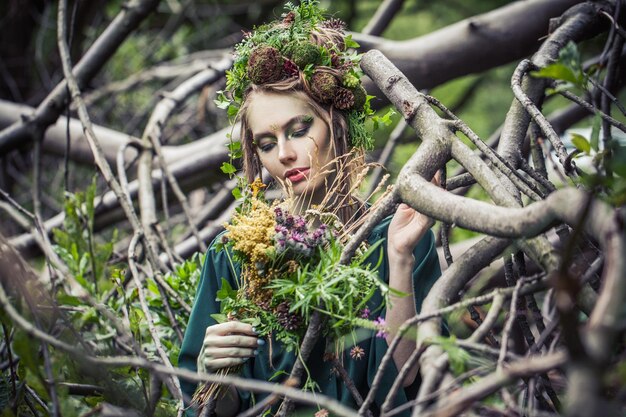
297 237
300 224
365 313
289 221
381 327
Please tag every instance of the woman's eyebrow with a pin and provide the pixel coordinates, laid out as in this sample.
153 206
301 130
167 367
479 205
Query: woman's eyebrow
301 118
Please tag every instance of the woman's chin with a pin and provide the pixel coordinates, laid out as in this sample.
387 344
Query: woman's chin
303 188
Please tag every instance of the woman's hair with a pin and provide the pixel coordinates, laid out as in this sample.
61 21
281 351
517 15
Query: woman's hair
347 161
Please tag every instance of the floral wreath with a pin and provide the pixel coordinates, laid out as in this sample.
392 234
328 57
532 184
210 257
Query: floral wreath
283 49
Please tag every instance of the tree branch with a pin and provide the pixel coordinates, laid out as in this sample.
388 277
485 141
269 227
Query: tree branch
92 62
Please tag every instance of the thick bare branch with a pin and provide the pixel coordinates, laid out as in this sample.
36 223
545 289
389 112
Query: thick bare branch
577 23
93 61
472 45
383 16
191 172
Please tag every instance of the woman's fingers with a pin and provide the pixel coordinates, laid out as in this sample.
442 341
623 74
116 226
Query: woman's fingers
211 364
227 344
219 353
230 327
230 341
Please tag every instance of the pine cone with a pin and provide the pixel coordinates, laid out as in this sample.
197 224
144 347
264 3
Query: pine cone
289 18
290 68
344 99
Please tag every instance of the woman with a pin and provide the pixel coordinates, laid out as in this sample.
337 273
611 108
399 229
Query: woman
303 127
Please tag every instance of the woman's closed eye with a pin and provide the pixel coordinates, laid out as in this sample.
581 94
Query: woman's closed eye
266 146
299 132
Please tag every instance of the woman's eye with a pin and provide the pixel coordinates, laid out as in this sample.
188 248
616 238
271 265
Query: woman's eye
266 147
300 133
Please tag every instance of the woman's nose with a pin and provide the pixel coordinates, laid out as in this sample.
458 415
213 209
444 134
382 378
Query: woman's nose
286 151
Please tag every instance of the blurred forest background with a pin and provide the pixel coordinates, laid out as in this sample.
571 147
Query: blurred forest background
92 318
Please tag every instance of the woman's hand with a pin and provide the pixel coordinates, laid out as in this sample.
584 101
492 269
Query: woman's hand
227 344
407 228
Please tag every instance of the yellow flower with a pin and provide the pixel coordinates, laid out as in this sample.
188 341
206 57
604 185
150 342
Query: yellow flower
257 186
251 231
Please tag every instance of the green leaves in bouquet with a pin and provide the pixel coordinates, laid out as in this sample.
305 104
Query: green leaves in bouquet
226 292
342 290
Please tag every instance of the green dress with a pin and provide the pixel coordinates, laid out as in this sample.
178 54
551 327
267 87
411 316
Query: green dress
362 371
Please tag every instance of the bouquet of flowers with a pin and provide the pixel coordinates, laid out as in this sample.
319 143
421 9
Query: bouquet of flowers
290 268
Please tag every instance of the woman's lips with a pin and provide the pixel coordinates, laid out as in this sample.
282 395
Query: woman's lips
297 175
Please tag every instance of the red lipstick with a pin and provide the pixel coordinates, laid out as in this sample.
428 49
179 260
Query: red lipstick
297 174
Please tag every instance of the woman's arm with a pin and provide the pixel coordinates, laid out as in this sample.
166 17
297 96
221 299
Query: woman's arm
406 229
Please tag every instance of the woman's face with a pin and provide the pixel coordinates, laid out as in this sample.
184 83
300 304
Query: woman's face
292 142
